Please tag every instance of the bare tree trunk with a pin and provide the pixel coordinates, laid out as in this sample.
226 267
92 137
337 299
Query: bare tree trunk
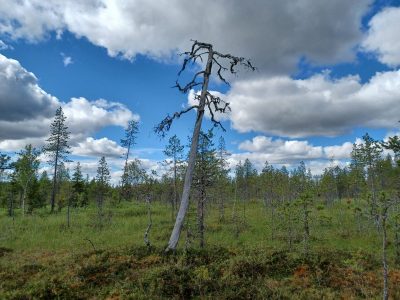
53 192
173 241
23 200
290 234
306 229
150 224
200 217
397 240
127 156
20 198
272 220
234 212
24 195
100 208
11 209
221 207
68 211
175 204
124 185
384 259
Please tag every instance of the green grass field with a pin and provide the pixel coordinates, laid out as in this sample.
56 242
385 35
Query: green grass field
40 257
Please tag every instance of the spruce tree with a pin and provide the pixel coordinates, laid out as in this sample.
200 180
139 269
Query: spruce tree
78 187
205 175
249 172
102 183
174 150
57 148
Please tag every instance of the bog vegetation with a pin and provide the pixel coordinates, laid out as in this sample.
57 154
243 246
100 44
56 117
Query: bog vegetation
276 233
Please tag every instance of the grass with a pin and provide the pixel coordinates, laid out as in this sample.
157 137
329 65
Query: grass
41 258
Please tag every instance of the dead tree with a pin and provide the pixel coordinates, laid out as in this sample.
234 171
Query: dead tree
206 100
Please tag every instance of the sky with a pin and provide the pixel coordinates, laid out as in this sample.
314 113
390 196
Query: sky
327 73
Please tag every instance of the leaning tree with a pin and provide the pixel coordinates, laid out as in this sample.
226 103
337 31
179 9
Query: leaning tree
128 142
205 100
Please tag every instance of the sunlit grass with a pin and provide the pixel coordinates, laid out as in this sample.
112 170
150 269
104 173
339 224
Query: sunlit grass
124 225
246 253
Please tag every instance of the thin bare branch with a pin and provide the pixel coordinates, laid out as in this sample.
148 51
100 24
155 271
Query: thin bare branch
193 55
235 61
216 123
190 85
164 126
219 71
216 104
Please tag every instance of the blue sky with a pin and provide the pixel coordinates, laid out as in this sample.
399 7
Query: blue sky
327 73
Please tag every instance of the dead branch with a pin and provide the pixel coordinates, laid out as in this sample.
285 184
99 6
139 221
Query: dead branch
214 104
163 127
189 85
235 61
193 55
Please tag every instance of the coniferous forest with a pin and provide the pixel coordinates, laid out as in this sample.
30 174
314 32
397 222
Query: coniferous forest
276 233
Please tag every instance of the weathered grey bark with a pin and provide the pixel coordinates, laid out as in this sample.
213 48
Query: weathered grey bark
173 240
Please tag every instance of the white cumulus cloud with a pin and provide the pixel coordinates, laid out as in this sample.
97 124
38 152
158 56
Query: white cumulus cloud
26 110
275 34
383 36
98 147
316 106
290 153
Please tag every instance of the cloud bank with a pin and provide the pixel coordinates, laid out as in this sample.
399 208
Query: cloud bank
26 112
275 34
